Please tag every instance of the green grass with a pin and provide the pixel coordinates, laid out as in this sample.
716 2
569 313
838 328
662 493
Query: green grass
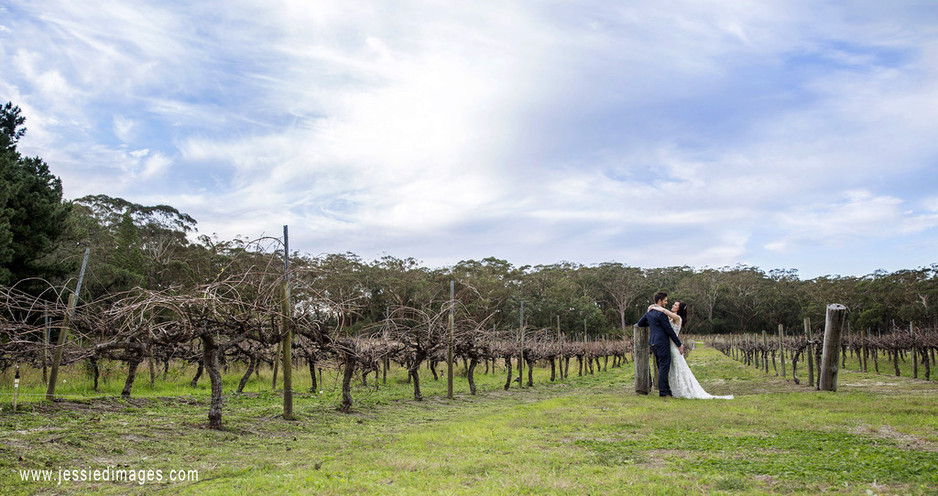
886 366
854 363
588 434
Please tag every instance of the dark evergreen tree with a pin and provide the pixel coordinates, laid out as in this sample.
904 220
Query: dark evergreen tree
32 214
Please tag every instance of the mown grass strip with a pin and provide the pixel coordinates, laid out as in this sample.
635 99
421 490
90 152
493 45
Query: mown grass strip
591 434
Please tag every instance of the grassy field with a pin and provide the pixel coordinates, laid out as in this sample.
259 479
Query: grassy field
877 435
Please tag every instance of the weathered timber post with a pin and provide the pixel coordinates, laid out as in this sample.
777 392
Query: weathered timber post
45 350
286 313
57 353
809 350
914 352
560 354
781 346
765 351
752 341
452 334
895 360
833 327
844 347
521 351
16 387
640 356
865 337
63 333
387 361
273 383
625 356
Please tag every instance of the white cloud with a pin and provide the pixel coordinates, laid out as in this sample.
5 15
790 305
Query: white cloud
154 165
587 132
857 216
123 128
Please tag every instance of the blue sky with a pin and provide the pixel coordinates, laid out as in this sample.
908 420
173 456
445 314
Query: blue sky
776 134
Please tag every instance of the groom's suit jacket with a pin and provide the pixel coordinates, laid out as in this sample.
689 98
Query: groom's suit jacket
661 330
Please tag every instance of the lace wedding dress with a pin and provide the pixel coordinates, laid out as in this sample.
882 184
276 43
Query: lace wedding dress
683 382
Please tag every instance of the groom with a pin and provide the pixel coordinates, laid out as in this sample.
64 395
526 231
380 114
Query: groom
659 337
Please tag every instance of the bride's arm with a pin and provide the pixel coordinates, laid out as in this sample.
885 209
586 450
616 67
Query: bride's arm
671 315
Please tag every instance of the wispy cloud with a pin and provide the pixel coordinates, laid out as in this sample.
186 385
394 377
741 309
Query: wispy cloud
702 134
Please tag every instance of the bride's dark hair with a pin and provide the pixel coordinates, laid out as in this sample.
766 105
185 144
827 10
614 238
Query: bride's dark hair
682 312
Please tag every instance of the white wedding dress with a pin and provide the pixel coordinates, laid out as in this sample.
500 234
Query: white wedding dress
683 382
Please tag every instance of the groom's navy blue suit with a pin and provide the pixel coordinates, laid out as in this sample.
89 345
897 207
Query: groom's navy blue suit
659 336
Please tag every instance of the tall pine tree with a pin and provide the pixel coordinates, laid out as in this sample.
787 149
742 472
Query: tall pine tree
32 215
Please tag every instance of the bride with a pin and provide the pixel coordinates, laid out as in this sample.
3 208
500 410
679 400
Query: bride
683 382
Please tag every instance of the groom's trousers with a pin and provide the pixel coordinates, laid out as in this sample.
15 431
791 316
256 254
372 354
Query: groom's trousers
663 362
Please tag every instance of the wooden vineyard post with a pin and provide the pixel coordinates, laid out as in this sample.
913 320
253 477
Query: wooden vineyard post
273 383
914 353
16 387
57 354
865 337
833 327
846 337
452 332
286 312
560 353
781 347
624 355
63 333
754 340
765 347
521 351
809 350
387 361
640 356
606 363
45 350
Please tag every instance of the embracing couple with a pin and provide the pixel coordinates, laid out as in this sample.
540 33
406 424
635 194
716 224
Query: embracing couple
675 378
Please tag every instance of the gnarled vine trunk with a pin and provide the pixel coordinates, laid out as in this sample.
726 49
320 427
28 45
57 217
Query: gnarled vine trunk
252 364
95 371
198 374
508 365
210 359
469 375
414 374
312 374
132 365
530 371
349 365
794 366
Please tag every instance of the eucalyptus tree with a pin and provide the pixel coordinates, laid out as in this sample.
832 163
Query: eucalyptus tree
340 277
664 278
747 297
491 284
623 287
155 238
917 292
787 298
703 290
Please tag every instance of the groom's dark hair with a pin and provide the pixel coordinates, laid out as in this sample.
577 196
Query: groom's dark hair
660 295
